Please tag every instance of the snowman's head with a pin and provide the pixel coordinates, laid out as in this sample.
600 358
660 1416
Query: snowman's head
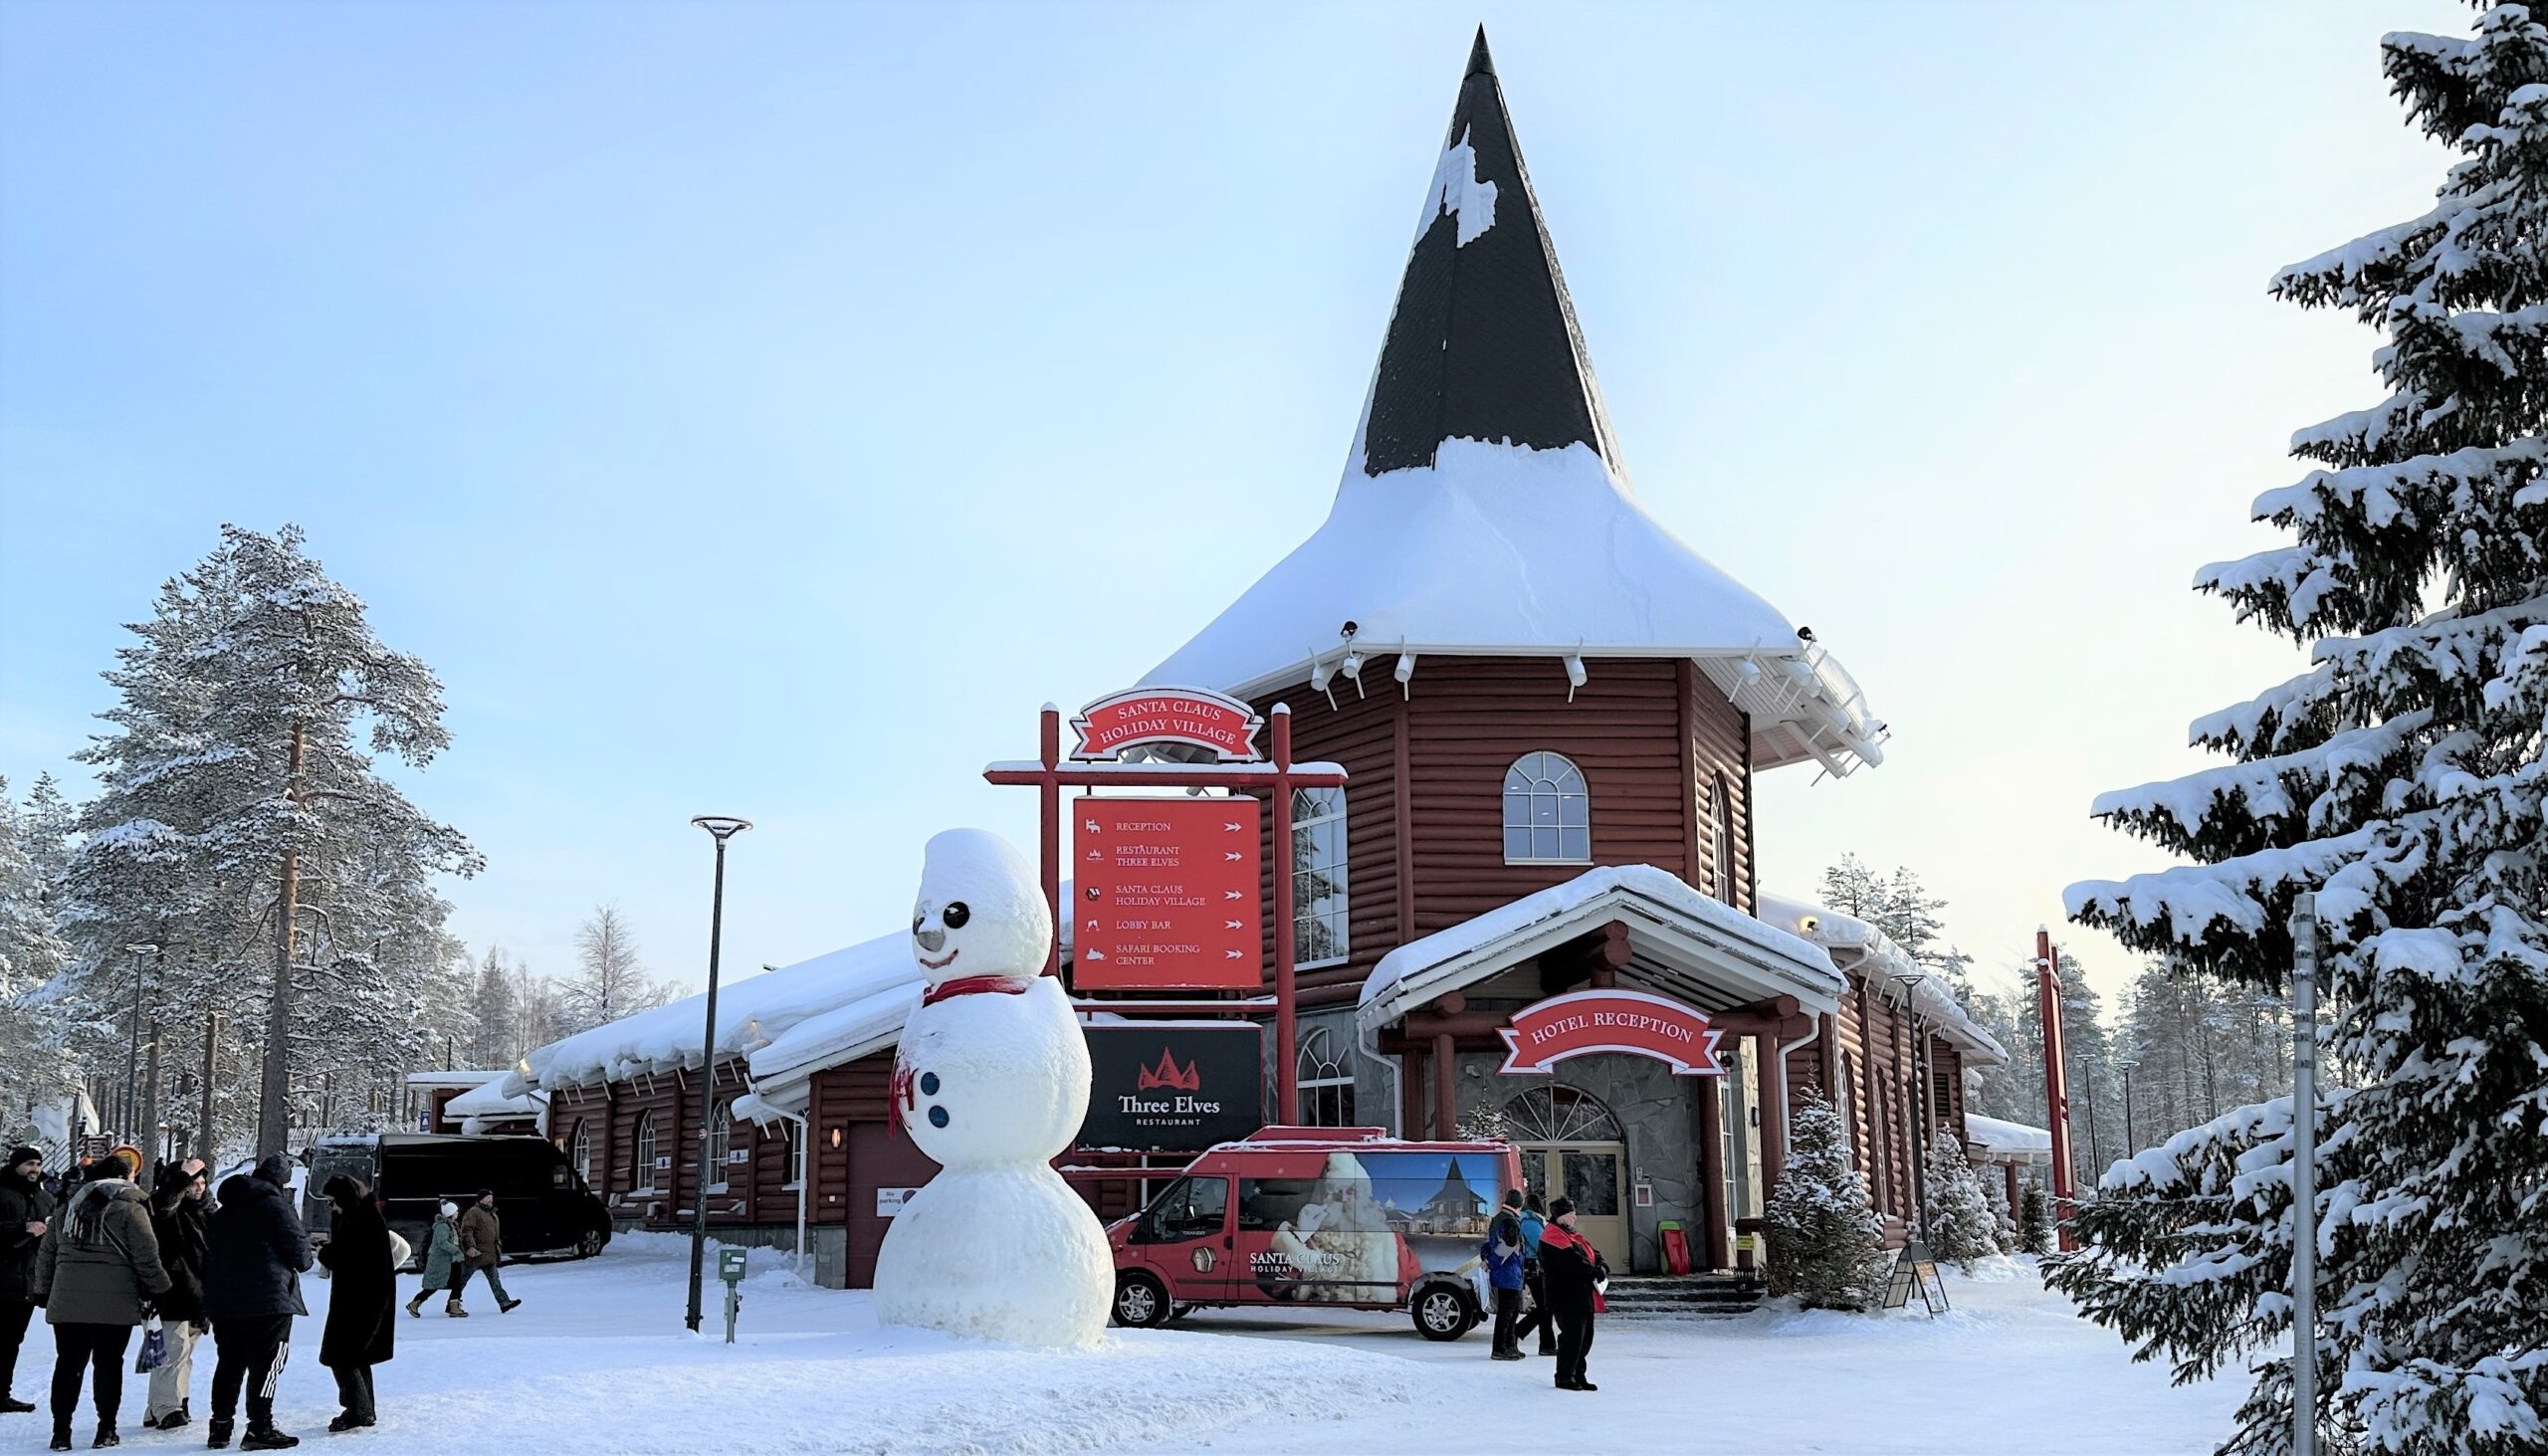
980 910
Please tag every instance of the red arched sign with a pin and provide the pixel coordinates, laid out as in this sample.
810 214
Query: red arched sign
1631 1023
1187 716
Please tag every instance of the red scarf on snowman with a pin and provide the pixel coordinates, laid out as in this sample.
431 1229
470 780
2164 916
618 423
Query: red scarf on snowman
899 1096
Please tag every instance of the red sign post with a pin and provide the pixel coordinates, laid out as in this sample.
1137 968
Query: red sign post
1165 895
2056 1080
1582 1022
1274 781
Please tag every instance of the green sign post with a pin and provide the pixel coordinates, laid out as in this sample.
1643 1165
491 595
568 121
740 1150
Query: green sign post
729 1268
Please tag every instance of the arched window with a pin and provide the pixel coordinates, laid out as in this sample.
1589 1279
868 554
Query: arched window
1318 877
1326 1082
1720 809
641 1159
579 1150
1559 1113
721 1136
1547 819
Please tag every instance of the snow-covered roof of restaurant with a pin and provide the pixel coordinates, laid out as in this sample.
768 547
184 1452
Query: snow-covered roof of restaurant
1484 508
453 1077
1885 960
1737 948
487 1103
2005 1141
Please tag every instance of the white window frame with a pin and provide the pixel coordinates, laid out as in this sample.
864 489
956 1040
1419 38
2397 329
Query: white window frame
1542 774
1720 807
641 1148
1325 807
721 1136
580 1150
794 1132
1328 1071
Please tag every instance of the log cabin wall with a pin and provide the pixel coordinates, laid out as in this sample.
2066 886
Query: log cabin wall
1424 795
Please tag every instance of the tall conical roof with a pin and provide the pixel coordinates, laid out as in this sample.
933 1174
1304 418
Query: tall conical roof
1483 510
1483 343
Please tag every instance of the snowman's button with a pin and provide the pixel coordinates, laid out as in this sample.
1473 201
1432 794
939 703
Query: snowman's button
929 1085
938 1117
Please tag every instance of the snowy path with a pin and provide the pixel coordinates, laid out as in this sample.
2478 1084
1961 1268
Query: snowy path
596 1362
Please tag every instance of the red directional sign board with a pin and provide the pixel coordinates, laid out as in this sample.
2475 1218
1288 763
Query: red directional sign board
1165 895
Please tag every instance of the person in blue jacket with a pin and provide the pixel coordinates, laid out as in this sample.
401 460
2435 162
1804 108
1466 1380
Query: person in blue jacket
1502 1254
1533 1279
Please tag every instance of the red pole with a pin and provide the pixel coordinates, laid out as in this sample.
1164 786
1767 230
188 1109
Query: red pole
1049 792
2056 1080
1287 1092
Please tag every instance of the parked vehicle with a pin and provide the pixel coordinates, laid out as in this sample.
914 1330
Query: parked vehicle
547 1208
1319 1217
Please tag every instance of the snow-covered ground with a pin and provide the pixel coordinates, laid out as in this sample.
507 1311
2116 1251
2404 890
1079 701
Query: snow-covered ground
596 1361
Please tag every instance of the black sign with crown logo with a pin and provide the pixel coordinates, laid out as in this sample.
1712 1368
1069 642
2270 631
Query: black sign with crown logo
1173 1089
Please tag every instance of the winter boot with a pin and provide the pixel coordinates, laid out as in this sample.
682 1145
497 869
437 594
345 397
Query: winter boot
452 1307
61 1436
267 1438
345 1422
175 1421
217 1438
105 1437
507 1307
12 1405
416 1306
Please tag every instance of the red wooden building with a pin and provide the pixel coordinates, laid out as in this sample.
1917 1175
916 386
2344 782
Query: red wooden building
1552 713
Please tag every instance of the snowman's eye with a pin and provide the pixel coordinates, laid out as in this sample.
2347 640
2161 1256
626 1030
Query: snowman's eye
956 913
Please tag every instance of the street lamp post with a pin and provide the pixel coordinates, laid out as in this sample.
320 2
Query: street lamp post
133 1058
2131 1142
723 827
1919 1101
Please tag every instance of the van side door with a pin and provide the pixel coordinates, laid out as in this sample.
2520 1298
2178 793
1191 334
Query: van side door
1184 1236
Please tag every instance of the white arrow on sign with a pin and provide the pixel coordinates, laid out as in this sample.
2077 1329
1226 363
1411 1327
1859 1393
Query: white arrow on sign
1231 955
1233 827
1233 895
1225 924
1231 855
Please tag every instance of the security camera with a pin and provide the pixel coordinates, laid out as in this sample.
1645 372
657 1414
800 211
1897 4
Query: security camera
1348 629
1804 634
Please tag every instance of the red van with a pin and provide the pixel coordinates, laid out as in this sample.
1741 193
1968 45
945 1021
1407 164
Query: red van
1321 1218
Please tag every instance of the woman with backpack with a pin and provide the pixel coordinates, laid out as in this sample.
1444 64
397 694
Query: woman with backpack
96 1275
362 1274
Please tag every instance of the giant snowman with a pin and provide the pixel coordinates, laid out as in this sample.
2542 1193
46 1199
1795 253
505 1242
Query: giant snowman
992 1080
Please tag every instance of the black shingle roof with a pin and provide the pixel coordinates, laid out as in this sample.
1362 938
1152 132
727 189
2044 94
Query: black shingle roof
1483 343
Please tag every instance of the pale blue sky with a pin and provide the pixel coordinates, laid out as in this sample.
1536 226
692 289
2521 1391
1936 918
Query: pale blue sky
762 409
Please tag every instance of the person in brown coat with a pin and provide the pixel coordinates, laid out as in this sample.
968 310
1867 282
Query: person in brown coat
96 1275
481 1247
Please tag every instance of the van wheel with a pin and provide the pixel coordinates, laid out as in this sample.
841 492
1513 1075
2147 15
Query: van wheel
1442 1311
1141 1301
590 1244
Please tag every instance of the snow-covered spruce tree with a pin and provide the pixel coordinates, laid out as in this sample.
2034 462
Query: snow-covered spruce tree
2003 1219
1825 1243
1960 1227
2400 778
2035 1219
242 828
33 1066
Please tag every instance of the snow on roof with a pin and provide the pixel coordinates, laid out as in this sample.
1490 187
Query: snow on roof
459 1077
490 1100
749 1012
1484 510
2005 1141
1867 945
1425 967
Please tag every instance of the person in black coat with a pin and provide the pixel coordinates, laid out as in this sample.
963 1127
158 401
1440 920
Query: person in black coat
255 1250
1573 1271
361 1327
177 1216
26 1209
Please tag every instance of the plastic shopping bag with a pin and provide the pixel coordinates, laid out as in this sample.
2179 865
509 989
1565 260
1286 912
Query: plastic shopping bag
155 1347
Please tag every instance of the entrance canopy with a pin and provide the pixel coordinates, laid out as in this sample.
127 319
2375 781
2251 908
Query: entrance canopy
1688 945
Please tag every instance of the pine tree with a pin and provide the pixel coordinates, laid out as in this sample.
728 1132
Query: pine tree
33 1067
2003 1219
1826 1246
609 982
1852 889
242 828
2400 778
1960 1227
2035 1219
497 1015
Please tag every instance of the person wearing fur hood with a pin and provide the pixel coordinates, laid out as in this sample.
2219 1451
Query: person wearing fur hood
96 1275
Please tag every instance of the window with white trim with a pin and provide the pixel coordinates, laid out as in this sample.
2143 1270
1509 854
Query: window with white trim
1720 809
1319 923
721 1136
1326 1082
1547 816
794 1132
641 1159
580 1150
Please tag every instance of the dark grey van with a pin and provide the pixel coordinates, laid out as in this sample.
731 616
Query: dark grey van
545 1207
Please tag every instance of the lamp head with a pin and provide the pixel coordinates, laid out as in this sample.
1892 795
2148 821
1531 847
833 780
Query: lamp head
724 826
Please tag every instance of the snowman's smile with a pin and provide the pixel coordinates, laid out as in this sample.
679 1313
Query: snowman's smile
940 964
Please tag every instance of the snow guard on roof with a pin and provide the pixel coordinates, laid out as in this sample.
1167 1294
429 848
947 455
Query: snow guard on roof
1484 510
